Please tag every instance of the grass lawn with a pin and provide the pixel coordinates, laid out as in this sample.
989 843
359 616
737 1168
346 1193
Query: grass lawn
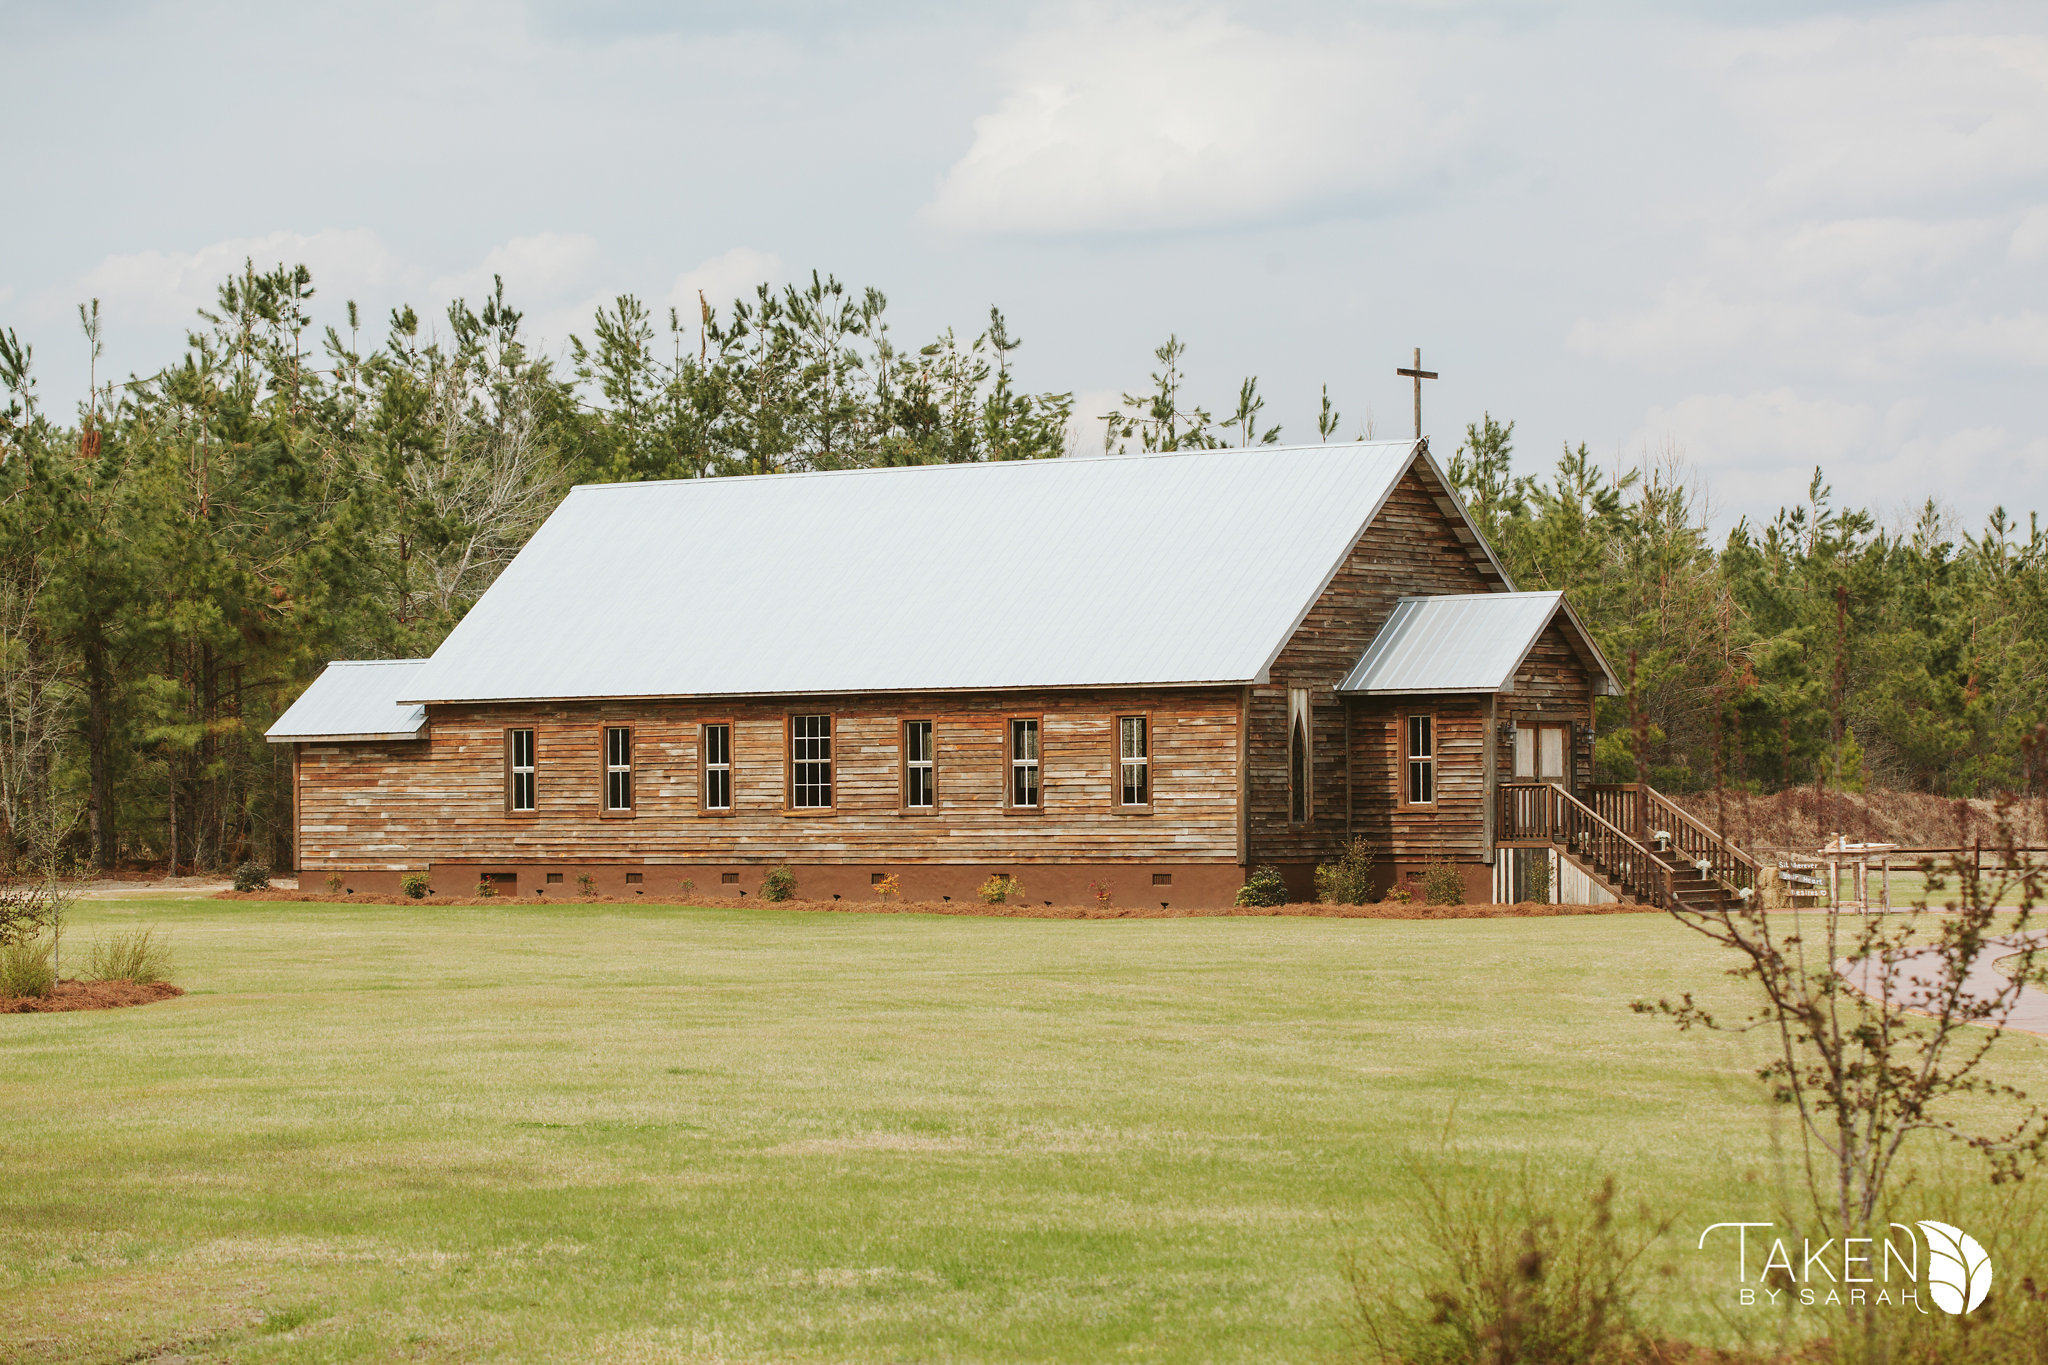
615 1133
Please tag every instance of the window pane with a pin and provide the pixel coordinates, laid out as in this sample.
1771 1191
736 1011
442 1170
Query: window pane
810 761
917 763
718 789
1553 751
1024 763
1132 738
618 777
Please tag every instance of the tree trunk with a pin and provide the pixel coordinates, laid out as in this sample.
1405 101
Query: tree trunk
99 743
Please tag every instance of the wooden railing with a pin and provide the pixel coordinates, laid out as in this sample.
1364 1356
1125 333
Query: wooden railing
1695 844
1545 812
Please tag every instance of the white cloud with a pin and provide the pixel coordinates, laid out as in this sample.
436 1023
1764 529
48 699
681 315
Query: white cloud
543 267
1876 109
1757 450
726 276
166 286
1153 121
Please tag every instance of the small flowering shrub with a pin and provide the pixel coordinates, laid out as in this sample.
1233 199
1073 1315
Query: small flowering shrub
1263 887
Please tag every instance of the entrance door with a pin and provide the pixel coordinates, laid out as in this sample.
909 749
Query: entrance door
1540 752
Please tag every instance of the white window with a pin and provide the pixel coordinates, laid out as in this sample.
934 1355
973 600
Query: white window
1540 751
919 790
618 767
718 767
519 770
1420 758
1024 764
810 762
1134 763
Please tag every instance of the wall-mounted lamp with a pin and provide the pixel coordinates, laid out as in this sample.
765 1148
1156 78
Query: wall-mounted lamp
1507 730
1584 733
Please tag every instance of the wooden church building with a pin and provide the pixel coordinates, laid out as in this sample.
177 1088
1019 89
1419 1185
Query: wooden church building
1153 672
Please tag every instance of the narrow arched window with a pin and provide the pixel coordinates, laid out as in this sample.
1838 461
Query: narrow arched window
1300 758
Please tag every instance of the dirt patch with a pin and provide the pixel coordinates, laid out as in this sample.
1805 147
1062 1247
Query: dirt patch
1310 911
1801 819
90 995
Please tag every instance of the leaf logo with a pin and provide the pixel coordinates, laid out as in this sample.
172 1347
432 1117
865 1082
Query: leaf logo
1958 1270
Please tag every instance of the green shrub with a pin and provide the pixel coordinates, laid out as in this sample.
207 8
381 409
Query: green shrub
1348 881
587 885
486 888
141 957
1443 884
25 969
1000 889
334 883
414 884
1539 878
1397 894
1263 887
1501 1272
252 877
779 884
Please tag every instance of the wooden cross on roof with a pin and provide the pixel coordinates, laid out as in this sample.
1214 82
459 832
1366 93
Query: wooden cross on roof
1418 374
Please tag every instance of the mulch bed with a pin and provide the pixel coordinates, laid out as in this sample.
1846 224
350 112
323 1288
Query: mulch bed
1385 910
90 995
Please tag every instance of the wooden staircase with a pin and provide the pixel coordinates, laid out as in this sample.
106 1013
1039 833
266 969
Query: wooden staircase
1632 840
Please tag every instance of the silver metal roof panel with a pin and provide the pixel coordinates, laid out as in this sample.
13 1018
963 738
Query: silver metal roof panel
354 699
1465 642
1181 568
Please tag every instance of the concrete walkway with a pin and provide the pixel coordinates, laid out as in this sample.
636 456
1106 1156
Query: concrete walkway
1919 976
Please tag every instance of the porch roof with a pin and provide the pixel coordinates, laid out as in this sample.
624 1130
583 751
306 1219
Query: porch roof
354 699
1468 642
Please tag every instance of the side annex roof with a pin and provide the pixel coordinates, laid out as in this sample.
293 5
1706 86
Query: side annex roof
1468 642
354 699
1178 568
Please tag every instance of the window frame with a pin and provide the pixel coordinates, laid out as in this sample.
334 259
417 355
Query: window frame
1307 714
1408 758
705 769
1117 760
930 764
1010 723
789 737
605 808
512 770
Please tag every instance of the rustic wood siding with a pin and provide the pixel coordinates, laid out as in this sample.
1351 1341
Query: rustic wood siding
442 800
1409 550
1552 687
1455 827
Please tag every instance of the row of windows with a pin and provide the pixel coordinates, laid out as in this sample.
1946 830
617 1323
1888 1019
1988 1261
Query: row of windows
810 765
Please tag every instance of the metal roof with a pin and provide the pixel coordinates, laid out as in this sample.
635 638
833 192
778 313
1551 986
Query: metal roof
1467 642
354 699
1184 567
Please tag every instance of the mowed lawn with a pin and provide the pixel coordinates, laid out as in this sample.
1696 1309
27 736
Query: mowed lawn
600 1133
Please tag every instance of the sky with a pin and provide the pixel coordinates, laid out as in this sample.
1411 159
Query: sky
1749 238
